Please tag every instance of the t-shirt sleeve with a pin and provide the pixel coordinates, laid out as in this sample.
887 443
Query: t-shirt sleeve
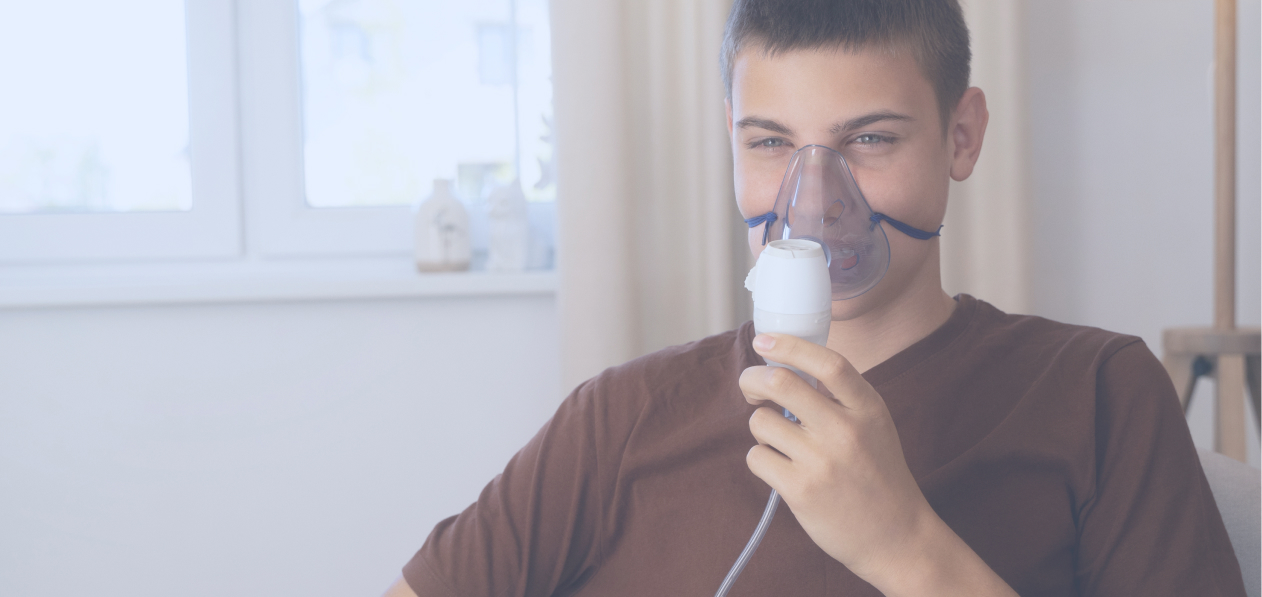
536 528
1152 527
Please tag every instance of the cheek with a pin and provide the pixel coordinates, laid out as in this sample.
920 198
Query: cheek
753 199
740 185
755 188
885 193
914 195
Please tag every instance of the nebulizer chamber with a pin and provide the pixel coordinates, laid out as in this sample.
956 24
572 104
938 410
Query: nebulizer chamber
791 290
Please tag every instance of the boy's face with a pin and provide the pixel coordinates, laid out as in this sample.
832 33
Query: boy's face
878 111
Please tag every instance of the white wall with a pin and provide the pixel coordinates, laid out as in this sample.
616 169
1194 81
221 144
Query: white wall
1121 149
255 449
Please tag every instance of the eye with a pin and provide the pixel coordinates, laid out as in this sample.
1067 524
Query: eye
871 139
768 143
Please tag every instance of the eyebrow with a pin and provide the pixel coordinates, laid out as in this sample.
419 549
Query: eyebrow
867 119
764 123
849 125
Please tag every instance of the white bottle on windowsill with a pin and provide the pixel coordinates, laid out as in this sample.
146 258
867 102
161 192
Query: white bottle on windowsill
442 232
510 230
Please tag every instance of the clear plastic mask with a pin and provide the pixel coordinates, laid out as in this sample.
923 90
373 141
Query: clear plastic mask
820 201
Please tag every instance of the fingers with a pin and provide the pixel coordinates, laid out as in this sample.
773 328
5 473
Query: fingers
769 465
831 369
785 388
771 428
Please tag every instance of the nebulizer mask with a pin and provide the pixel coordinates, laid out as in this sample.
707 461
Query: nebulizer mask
823 244
820 201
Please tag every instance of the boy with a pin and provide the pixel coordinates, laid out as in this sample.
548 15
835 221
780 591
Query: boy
952 449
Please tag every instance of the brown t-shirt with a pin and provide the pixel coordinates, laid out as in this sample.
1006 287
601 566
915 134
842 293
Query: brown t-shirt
1058 453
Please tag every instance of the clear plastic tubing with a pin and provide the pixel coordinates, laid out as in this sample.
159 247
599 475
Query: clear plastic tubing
767 514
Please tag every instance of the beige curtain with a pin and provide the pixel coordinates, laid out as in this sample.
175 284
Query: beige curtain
985 244
650 245
651 250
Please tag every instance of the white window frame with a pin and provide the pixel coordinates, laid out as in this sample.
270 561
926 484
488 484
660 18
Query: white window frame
279 221
211 229
250 236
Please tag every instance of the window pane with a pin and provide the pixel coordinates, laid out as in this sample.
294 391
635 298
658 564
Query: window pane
397 93
94 116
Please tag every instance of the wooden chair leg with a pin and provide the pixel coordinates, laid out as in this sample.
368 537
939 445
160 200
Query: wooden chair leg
1229 437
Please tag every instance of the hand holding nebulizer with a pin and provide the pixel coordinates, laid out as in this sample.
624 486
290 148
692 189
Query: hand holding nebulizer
792 295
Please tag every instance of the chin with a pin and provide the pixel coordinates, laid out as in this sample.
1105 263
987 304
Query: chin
886 292
856 307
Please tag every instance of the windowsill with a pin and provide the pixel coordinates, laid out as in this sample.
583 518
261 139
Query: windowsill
244 281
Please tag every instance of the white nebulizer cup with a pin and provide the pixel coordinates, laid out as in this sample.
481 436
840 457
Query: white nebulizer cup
792 295
792 292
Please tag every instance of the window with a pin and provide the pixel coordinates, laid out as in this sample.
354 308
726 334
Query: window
109 132
117 131
381 98
257 132
396 94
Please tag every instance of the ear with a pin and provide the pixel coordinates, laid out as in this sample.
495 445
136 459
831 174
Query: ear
968 127
727 105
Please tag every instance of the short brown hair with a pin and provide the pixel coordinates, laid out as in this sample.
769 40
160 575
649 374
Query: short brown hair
933 30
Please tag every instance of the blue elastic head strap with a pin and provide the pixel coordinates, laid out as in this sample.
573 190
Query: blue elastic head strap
907 229
769 218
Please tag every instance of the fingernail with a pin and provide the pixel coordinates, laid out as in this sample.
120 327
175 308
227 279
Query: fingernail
764 342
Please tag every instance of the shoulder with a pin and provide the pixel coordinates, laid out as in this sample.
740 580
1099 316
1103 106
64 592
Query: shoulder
695 364
677 383
1100 375
1032 339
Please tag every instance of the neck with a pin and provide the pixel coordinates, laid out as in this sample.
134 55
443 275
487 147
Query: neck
895 323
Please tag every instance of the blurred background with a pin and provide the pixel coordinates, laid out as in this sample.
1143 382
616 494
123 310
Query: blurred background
220 372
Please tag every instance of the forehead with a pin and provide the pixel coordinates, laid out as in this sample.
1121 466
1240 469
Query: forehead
807 85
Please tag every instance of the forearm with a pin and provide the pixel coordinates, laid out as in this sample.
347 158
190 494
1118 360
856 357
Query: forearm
940 563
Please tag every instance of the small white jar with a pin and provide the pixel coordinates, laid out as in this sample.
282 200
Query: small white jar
509 244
